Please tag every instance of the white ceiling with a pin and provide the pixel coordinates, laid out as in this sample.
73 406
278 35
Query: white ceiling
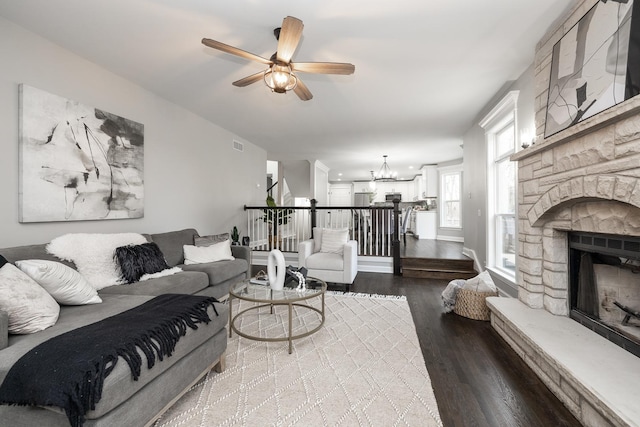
424 69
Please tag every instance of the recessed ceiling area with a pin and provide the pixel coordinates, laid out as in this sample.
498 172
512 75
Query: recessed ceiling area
423 70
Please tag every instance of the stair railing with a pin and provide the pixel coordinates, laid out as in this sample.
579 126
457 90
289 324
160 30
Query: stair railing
375 228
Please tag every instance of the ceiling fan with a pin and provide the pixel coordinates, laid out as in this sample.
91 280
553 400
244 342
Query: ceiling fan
280 76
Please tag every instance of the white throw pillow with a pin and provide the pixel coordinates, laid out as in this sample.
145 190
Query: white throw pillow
201 254
93 255
29 306
63 283
333 240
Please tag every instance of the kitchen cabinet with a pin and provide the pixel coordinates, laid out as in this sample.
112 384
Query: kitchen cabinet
424 224
430 182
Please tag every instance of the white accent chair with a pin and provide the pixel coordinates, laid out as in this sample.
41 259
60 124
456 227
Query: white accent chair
330 267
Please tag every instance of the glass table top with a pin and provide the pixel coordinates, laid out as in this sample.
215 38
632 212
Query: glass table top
248 291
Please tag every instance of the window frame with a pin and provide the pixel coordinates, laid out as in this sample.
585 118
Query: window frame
443 172
503 115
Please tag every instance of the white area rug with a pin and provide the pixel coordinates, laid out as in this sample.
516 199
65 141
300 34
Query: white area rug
364 367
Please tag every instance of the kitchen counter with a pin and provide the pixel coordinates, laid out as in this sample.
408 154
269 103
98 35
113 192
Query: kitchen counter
424 224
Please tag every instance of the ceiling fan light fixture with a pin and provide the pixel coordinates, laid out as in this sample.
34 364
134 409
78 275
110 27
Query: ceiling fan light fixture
279 78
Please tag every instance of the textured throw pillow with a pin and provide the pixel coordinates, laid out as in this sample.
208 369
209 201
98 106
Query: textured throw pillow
333 240
138 260
29 306
201 254
93 255
63 283
210 240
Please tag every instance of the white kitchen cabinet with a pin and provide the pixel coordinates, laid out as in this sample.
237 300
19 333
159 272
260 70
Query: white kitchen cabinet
425 224
430 177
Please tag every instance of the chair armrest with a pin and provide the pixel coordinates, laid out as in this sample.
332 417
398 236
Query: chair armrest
305 249
4 329
350 257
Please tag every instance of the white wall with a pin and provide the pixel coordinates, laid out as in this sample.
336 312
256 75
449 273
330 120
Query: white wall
475 168
192 175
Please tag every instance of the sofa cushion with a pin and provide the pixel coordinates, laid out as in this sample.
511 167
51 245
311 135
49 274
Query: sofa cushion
220 271
119 385
325 261
19 253
30 308
171 244
186 282
63 283
210 240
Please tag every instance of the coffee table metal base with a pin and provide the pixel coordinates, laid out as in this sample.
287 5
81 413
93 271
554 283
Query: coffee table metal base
290 337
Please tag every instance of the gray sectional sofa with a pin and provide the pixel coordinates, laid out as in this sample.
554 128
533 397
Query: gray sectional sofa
126 402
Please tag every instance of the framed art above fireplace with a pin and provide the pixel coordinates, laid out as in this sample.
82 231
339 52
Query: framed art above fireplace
595 65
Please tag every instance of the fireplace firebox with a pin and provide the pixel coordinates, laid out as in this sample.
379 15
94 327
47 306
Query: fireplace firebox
604 285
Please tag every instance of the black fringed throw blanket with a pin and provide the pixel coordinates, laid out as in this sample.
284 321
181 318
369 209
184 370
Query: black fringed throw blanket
68 371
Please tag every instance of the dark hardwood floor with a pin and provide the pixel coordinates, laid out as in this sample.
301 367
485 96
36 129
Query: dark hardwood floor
477 378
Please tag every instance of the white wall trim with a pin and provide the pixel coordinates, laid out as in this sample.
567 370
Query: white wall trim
450 238
366 264
472 254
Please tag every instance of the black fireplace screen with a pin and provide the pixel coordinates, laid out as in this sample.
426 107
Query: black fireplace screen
604 284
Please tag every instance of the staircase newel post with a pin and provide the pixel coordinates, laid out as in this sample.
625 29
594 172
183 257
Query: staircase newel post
395 243
313 215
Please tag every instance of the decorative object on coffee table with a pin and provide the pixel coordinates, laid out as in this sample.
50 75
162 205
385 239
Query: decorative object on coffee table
276 270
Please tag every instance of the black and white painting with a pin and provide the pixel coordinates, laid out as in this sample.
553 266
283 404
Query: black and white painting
594 66
77 162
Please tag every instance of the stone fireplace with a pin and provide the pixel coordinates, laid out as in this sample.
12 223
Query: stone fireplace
584 180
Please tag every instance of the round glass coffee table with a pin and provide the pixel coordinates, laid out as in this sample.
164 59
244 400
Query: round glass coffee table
264 296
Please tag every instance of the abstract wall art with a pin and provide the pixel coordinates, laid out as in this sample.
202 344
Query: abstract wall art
77 162
595 65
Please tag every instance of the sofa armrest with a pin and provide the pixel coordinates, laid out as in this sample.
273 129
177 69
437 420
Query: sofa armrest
4 329
243 252
305 249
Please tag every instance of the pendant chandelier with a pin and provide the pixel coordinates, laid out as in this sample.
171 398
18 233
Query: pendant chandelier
385 173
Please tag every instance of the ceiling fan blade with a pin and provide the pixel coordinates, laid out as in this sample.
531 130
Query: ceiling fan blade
323 67
290 34
249 79
235 51
302 91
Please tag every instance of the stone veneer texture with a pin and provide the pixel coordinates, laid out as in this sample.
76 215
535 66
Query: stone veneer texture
585 178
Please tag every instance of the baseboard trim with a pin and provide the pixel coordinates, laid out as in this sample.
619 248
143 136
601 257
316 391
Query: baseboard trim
366 264
450 238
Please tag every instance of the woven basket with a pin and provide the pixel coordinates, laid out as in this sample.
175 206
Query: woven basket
472 304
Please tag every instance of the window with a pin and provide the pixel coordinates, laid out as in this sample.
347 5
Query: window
500 127
450 206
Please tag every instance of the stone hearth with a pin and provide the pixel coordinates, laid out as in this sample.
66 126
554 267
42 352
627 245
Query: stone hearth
584 178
